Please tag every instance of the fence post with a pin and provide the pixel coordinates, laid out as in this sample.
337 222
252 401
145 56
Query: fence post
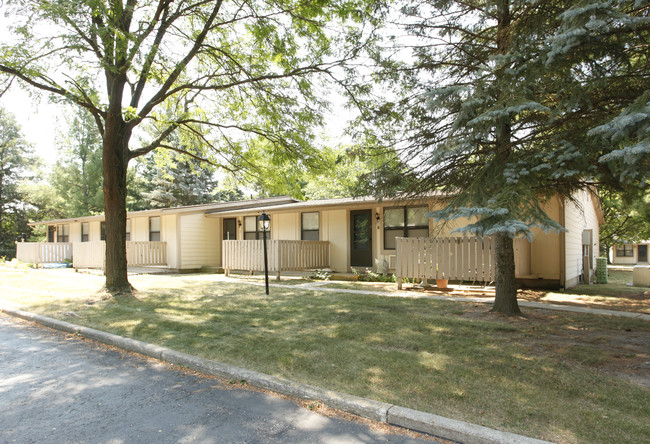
398 262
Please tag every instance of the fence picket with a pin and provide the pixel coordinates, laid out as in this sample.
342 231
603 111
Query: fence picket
283 255
454 258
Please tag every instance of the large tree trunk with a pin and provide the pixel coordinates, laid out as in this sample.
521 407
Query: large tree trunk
115 162
505 300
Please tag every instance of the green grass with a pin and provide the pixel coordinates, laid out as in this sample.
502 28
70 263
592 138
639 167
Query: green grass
618 294
616 286
540 376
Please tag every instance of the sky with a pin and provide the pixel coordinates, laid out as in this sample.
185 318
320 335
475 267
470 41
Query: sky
38 120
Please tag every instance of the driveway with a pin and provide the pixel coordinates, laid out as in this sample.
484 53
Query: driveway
57 388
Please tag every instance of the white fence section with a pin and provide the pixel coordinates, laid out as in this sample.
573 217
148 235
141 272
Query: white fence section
453 258
138 254
43 252
89 254
146 253
283 255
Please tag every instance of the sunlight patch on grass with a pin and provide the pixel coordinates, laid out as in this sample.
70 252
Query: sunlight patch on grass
447 358
433 361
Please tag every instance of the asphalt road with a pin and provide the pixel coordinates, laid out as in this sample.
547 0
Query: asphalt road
55 388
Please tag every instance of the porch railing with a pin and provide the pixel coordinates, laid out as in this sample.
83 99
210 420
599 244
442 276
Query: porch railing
146 253
283 255
138 254
90 254
462 259
43 252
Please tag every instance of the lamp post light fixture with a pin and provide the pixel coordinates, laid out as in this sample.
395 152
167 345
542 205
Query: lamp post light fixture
266 222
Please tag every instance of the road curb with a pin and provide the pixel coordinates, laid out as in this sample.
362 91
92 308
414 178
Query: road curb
378 411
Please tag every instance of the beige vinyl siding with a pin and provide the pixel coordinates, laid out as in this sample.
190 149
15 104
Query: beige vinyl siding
285 226
140 229
200 244
94 231
522 259
578 219
335 229
169 234
545 249
75 231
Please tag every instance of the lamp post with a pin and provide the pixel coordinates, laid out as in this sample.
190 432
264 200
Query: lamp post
266 221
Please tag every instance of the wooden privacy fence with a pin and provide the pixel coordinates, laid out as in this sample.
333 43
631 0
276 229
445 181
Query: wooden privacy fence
457 259
43 252
283 255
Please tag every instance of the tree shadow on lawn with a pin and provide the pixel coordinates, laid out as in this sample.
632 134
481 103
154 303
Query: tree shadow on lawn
424 354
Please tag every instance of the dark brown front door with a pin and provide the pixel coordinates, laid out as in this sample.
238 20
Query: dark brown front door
361 238
643 253
230 229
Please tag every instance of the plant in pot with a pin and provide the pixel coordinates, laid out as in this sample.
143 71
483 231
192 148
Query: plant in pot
441 282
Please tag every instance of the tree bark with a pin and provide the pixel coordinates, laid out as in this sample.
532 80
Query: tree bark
115 163
505 300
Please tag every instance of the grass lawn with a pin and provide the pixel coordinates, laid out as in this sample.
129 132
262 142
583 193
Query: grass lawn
558 376
618 294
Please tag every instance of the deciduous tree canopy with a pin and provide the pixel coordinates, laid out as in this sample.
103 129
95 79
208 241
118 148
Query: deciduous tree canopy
218 71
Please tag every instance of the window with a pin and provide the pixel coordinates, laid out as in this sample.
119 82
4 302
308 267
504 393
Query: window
102 229
63 233
253 228
309 226
404 222
154 229
230 228
128 229
85 229
624 250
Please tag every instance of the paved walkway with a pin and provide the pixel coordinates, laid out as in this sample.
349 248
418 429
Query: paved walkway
322 286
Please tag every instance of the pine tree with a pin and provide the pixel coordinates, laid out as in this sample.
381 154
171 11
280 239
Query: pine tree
177 181
16 159
77 174
496 119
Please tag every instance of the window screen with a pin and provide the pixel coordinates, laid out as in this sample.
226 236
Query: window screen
85 230
310 226
154 229
404 222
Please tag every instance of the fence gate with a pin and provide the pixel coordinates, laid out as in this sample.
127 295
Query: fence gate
458 259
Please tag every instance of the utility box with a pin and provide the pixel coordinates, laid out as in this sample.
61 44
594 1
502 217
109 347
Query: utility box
601 270
641 276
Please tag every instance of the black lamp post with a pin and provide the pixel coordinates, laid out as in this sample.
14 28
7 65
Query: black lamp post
266 221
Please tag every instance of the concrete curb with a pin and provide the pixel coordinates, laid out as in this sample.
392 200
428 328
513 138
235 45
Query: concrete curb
378 411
